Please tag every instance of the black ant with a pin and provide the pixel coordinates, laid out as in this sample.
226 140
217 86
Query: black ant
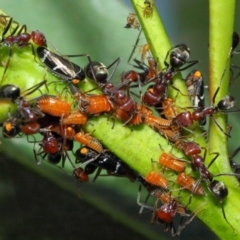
187 118
25 118
217 188
178 57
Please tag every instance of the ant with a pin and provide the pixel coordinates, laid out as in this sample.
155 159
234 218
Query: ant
25 117
186 119
235 42
98 72
10 91
132 21
149 70
148 9
141 78
217 188
235 166
166 213
178 57
189 148
113 99
81 174
54 147
21 38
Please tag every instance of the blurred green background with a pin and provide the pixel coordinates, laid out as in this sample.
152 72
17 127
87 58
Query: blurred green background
43 202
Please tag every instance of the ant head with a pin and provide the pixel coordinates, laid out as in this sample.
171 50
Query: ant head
54 158
39 38
100 74
226 103
218 189
80 175
179 55
10 91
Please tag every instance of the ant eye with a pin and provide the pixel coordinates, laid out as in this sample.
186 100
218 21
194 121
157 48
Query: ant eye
100 74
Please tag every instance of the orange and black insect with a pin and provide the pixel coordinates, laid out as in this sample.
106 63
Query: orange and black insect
105 160
25 114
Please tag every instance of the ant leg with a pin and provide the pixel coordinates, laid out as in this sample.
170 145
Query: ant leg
117 62
235 152
7 64
33 89
224 215
134 47
215 121
97 174
213 160
189 65
142 205
182 226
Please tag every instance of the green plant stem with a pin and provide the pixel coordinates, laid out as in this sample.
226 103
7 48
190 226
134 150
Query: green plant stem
221 17
219 60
